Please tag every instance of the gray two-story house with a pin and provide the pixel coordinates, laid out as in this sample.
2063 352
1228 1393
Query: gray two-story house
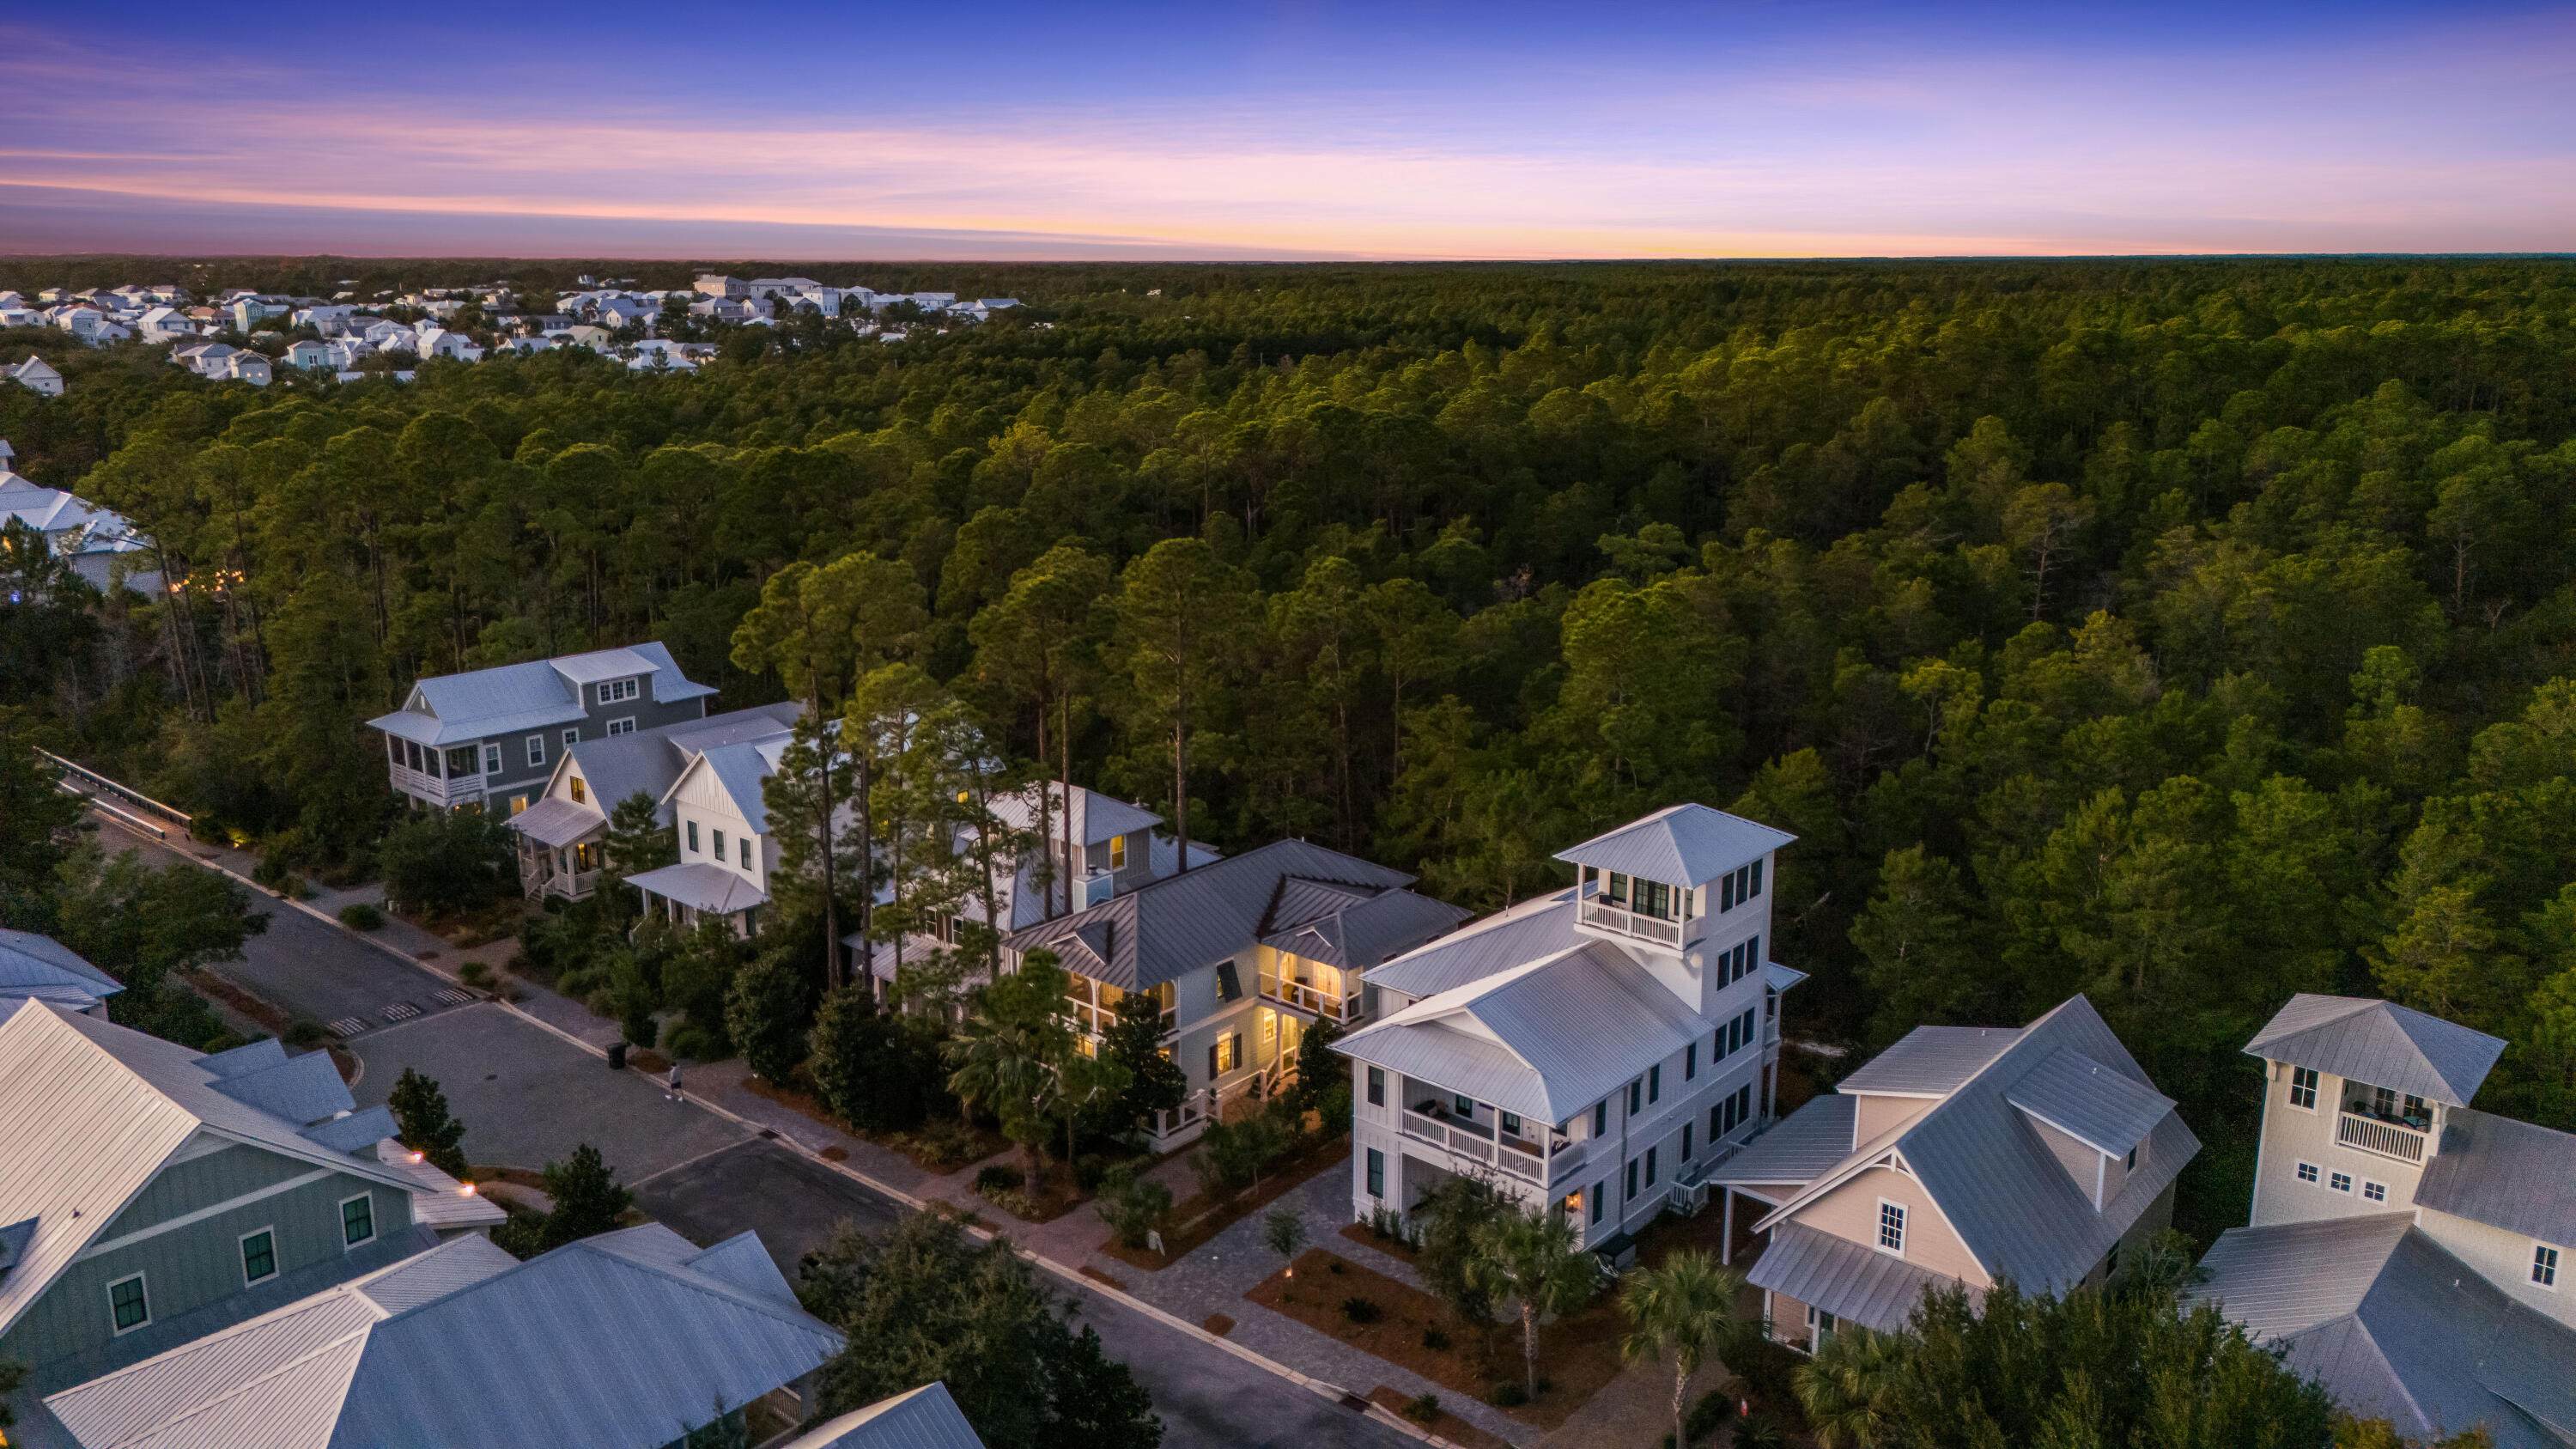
150 1195
493 735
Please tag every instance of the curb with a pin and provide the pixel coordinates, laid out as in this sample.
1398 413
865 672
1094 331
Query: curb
1070 1275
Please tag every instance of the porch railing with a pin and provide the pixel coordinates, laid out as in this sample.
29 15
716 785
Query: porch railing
1611 916
1303 997
1510 1154
2388 1139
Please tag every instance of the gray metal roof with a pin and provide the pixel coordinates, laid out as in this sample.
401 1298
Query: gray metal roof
2011 1200
1534 929
1354 931
557 822
40 966
94 1110
2397 1327
2381 1043
455 708
647 762
1169 927
1931 1061
926 1418
1854 1283
302 1090
1573 1028
1097 818
2097 1106
1680 844
701 886
2506 1174
1798 1149
619 1340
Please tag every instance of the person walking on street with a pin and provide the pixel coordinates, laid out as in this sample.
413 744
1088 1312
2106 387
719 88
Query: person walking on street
671 1084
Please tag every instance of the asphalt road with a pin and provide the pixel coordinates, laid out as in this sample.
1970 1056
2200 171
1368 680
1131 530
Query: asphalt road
528 1097
1208 1398
311 968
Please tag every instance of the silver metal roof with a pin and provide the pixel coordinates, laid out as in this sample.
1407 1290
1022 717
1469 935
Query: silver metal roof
2506 1174
1354 931
1853 1283
1534 929
556 822
701 886
2104 1109
1097 818
302 1090
2381 1043
741 769
2397 1327
2010 1199
94 1110
926 1418
33 965
1575 1027
455 708
1169 927
623 1339
1680 844
1931 1061
1798 1149
647 762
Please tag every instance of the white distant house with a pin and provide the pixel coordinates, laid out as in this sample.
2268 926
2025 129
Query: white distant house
44 969
1598 1049
164 324
37 374
439 342
97 543
307 352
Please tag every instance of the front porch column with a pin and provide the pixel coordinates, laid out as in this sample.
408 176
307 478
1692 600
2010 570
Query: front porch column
1726 1244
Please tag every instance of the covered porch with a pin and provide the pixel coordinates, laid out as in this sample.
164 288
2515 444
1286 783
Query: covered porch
560 846
686 895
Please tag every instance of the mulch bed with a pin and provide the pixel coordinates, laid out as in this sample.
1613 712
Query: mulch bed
1578 1353
1396 1248
1091 1272
646 1059
1218 1324
273 1018
1445 1424
806 1104
1201 1219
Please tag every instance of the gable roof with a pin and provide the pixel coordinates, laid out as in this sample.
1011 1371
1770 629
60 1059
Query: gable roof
2398 1327
96 1110
1931 1061
1532 1040
1351 930
44 968
1854 1283
926 1418
738 770
629 1338
645 762
1535 928
1680 845
2381 1043
1169 927
1097 818
2102 1108
1992 1176
2506 1174
452 708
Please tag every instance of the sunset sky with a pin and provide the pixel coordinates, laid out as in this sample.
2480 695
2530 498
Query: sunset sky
1287 130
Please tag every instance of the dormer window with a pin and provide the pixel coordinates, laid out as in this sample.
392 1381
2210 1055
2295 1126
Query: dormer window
618 691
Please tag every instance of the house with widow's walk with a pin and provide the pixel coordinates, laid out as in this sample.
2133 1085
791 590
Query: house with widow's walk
493 735
2407 1249
1959 1156
1599 1048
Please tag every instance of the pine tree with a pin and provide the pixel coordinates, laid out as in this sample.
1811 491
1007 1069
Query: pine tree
420 1111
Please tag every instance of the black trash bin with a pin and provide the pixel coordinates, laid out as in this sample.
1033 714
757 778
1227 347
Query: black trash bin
617 1057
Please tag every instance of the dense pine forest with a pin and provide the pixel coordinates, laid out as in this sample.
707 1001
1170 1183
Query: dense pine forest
2183 633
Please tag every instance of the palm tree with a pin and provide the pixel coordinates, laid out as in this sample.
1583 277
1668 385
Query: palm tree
1849 1388
1532 1256
1685 1308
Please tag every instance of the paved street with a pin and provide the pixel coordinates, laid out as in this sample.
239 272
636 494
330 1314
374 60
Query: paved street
527 1097
1209 1399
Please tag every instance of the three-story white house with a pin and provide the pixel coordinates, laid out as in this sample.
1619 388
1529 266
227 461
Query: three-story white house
2407 1249
1599 1048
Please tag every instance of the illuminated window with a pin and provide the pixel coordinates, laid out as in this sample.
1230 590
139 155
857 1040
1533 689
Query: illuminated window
580 792
1118 852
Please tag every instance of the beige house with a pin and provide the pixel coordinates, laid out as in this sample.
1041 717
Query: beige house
1959 1156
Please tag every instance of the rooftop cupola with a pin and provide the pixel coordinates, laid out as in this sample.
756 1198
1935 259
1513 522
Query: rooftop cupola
1657 881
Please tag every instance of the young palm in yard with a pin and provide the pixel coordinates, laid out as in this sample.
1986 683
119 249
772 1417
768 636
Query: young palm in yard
1531 1256
1849 1388
1685 1308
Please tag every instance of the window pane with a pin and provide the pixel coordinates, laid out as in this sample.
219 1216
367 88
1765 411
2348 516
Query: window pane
357 1220
259 1256
127 1300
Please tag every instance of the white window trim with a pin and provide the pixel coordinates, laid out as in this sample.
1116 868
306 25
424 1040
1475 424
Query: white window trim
536 750
140 1324
241 1247
2290 1098
2557 1266
2346 1178
345 1244
2374 1191
572 737
622 725
2315 1176
491 759
1904 1226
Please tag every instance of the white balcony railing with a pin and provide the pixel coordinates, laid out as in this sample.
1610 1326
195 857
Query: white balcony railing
1302 997
1611 916
2388 1139
453 790
1512 1155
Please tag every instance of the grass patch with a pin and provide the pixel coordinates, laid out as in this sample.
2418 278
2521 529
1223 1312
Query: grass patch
1199 1219
1576 1355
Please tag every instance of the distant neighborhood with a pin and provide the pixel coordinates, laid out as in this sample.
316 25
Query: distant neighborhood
239 335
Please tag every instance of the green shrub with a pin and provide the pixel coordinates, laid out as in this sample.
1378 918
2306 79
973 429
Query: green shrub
696 1044
1361 1310
1424 1410
999 1178
443 861
362 916
474 973
1435 1339
1132 1206
304 1033
1508 1394
1759 1430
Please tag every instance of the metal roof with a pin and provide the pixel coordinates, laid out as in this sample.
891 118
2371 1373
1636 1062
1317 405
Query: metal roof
1545 1041
2506 1174
437 1200
1984 1164
926 1418
557 822
1680 844
1174 925
1853 1283
648 762
1931 1061
94 1110
2398 1327
1357 931
1527 932
2380 1043
619 1340
1097 818
2101 1108
454 708
740 769
1798 1149
302 1090
701 886
33 965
